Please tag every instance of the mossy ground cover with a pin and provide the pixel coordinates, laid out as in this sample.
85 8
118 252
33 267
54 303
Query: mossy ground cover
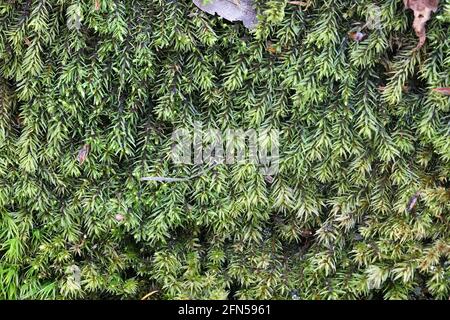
92 90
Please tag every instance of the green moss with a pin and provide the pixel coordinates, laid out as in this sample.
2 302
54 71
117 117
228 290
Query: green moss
363 133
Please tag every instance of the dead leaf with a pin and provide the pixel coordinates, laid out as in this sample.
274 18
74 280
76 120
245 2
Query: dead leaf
422 13
231 10
119 217
83 153
445 91
270 48
269 179
306 233
413 202
357 36
75 273
96 5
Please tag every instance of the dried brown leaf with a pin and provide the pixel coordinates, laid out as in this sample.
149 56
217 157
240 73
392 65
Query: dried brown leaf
231 10
119 217
357 36
422 13
413 202
83 153
97 5
445 91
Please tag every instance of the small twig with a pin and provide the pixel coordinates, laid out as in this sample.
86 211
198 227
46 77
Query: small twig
168 179
164 179
149 294
299 3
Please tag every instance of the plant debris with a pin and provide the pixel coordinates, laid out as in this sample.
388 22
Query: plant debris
357 36
149 295
231 10
119 217
83 153
304 4
75 274
422 13
413 202
445 91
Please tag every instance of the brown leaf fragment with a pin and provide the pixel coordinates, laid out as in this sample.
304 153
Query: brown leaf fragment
119 217
445 91
413 202
75 274
306 233
357 36
270 48
298 3
83 153
422 13
231 10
